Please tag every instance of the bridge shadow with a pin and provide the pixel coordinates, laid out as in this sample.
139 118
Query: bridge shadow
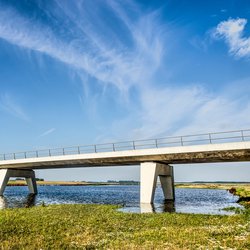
8 202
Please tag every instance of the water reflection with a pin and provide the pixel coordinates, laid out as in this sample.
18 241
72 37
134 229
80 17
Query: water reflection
3 202
147 208
28 201
167 206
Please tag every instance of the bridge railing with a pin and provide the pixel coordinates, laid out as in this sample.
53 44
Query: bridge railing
185 140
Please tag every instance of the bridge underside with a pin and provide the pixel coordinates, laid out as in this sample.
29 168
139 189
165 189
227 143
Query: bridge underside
118 160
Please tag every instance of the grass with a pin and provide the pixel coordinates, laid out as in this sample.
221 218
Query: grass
243 192
103 227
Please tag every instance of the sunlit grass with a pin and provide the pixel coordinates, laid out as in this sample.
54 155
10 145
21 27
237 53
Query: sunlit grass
103 227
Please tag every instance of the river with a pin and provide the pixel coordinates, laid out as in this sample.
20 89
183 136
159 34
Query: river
200 201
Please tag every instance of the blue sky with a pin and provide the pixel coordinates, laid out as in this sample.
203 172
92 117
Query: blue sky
83 72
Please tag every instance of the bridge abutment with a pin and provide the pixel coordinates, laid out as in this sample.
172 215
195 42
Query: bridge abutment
149 175
29 176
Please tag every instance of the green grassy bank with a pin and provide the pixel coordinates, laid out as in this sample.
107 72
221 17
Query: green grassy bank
103 227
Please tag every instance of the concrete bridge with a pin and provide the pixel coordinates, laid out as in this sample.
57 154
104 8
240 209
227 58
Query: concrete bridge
155 157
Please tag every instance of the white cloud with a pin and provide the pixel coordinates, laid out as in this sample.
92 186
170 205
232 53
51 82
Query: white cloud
232 32
131 61
189 110
10 106
47 132
110 63
164 109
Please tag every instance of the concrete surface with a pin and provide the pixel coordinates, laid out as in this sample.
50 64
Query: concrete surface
29 176
227 152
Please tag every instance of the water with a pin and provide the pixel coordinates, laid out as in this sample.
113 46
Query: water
200 201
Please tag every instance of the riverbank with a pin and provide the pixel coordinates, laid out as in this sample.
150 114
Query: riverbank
209 185
59 183
103 227
214 185
240 189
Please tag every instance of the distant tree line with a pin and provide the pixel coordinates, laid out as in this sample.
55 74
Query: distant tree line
22 179
126 182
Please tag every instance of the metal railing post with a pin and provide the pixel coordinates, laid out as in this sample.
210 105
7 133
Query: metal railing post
181 141
242 135
210 139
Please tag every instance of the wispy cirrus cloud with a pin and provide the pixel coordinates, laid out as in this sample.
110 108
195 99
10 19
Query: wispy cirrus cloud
9 105
187 110
129 55
232 32
117 62
47 132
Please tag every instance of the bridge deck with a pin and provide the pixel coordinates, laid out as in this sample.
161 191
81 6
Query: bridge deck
223 152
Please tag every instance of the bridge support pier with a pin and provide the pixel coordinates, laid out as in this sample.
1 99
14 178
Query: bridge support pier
149 174
29 176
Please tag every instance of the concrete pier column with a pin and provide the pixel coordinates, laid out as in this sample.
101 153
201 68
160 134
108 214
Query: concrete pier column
149 174
29 176
3 180
167 184
31 182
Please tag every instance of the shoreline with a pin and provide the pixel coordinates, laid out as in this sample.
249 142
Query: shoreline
242 190
62 183
209 185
